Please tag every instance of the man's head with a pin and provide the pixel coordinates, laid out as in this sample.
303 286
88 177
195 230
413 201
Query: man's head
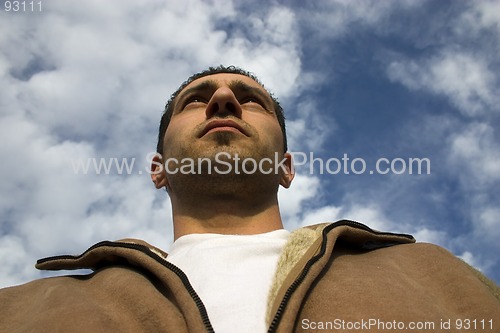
170 106
222 135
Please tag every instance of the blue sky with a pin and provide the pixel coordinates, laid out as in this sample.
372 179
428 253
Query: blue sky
370 79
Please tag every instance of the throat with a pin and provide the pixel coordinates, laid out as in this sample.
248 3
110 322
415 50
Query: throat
223 217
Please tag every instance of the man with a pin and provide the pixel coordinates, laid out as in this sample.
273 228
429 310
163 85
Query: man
233 268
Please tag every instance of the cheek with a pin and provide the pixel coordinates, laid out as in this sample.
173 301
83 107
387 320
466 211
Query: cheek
270 130
181 125
179 132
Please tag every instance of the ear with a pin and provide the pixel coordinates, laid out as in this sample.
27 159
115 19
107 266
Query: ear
158 173
288 172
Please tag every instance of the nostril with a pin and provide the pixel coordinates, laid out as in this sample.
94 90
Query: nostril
223 102
231 107
222 109
214 108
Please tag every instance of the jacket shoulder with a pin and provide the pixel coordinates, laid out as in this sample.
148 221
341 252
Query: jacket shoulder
447 263
103 301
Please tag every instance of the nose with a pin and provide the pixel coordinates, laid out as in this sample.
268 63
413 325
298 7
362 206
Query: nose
223 103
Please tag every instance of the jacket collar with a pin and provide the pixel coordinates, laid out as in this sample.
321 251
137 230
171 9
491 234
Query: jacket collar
107 253
302 259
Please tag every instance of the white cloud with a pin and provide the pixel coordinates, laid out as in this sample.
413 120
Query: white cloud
321 215
478 261
369 212
90 81
14 259
469 258
482 15
310 129
272 51
464 78
475 155
291 200
489 224
427 235
332 19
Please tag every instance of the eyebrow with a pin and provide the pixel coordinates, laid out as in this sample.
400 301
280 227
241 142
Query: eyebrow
209 85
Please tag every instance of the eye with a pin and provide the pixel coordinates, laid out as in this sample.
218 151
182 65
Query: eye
193 101
252 100
254 103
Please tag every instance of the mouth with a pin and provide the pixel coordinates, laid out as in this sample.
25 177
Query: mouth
223 125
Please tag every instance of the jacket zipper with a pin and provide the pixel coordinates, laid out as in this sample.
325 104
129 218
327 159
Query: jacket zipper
312 261
144 249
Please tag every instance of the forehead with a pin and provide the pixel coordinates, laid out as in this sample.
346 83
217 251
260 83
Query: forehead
225 79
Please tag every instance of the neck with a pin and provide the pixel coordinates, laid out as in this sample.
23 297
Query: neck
225 216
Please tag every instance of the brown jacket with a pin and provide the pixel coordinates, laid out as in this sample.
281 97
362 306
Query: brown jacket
331 277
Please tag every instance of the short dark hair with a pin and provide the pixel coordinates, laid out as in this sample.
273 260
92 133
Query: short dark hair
169 107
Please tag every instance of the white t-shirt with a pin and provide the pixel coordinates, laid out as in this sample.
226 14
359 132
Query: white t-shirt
232 275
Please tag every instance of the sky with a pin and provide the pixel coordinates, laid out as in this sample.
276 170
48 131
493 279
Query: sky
359 81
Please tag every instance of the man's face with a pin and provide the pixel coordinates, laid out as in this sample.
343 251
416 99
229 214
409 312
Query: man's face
223 113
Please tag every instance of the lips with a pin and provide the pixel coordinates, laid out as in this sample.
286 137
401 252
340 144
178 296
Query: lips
214 124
